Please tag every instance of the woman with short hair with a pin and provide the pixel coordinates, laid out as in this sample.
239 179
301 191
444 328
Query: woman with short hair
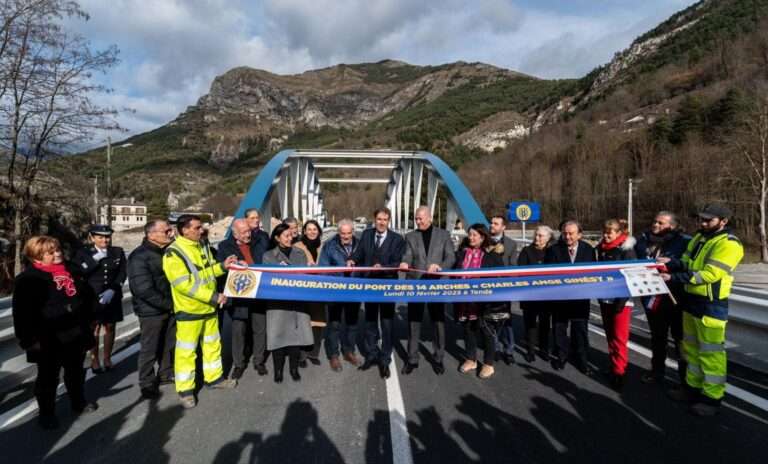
616 245
51 319
536 314
288 325
480 320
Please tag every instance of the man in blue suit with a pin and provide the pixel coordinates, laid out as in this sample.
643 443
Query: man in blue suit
379 247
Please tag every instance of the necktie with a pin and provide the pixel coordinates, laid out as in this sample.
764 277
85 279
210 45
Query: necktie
378 240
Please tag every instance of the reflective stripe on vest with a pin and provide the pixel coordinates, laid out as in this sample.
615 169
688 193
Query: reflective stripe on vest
191 267
711 347
719 264
714 379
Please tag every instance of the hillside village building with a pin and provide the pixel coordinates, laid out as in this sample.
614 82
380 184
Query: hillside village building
127 213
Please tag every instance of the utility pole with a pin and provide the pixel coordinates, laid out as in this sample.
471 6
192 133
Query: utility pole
95 199
630 198
109 181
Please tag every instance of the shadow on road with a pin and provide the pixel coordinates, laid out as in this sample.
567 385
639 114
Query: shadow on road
300 440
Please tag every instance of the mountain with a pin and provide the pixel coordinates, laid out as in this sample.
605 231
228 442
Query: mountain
665 109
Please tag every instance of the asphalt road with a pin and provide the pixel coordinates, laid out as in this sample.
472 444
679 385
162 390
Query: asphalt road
525 413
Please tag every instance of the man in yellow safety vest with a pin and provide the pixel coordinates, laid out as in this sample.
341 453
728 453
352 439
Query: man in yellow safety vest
192 270
706 271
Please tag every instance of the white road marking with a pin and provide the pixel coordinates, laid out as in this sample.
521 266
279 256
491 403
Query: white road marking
733 390
398 426
10 417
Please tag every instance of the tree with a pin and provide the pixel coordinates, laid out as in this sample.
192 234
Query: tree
46 87
752 142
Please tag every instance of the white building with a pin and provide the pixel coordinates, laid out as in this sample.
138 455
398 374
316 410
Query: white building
127 213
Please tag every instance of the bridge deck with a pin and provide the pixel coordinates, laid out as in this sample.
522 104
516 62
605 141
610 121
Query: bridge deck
526 413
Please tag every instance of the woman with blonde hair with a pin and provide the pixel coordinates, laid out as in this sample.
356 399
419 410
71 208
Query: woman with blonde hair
51 319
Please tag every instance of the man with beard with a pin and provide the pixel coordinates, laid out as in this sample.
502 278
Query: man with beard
706 271
664 239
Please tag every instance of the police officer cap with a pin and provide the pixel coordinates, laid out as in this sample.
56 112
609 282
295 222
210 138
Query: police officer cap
715 211
100 229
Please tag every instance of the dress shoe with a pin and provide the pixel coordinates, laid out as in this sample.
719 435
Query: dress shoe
617 382
261 369
558 364
544 355
188 401
315 361
384 370
85 408
278 376
352 358
509 358
408 368
48 422
651 377
439 368
367 364
150 393
335 364
97 370
295 375
586 370
529 356
237 373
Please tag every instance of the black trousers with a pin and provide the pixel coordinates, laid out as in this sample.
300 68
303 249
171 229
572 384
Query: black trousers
257 336
666 320
415 317
340 337
538 320
158 339
485 331
47 381
578 348
375 312
279 355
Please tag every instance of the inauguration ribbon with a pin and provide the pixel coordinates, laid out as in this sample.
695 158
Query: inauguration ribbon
619 279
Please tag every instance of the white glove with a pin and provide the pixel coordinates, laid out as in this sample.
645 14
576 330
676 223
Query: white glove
101 254
106 296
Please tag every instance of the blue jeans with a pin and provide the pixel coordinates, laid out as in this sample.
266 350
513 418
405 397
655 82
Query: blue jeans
337 334
505 338
374 312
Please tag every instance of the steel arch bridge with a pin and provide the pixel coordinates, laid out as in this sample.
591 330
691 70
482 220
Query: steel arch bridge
414 178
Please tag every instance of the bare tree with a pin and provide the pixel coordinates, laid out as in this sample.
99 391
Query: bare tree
752 142
45 95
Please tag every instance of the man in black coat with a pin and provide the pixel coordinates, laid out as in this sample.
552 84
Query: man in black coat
571 249
663 240
246 313
379 247
104 268
153 305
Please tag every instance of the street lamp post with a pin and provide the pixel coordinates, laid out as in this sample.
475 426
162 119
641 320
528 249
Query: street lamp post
630 198
109 181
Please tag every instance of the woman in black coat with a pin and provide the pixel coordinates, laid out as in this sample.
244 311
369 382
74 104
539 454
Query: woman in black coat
616 245
536 314
478 319
51 319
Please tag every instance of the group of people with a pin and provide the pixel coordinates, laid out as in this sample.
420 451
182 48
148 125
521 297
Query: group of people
176 281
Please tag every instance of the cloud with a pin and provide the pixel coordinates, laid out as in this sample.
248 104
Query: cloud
172 49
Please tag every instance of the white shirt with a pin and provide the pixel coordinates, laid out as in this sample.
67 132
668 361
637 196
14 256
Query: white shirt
383 236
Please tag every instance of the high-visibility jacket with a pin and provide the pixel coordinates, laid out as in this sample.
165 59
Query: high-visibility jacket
709 263
192 270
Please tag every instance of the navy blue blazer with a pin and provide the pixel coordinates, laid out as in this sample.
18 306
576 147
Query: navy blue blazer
389 254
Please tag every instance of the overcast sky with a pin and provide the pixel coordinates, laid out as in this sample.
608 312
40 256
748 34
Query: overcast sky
172 49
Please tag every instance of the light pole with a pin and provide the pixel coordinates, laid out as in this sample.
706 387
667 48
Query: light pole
630 197
109 182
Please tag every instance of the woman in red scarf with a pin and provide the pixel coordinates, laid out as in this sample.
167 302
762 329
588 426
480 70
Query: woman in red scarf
616 245
51 319
477 252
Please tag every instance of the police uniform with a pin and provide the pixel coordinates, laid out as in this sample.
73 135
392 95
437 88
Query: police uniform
104 273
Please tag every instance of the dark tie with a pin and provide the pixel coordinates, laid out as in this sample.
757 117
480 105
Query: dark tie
378 240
